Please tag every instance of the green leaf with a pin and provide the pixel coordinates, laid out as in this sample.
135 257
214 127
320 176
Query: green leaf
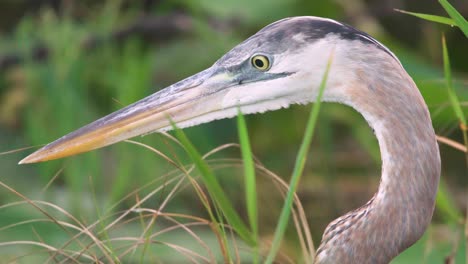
448 81
298 169
433 18
214 188
250 179
460 21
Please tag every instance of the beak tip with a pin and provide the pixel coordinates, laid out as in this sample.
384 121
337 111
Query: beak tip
29 159
24 161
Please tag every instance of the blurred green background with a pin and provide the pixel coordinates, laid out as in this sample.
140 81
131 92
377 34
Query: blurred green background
63 64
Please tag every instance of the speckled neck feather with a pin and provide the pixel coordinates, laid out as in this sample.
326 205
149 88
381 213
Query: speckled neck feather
399 213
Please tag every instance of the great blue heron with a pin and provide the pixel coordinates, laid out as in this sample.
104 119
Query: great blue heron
283 64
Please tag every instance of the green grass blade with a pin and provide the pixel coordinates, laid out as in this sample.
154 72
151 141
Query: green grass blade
448 80
298 169
250 179
432 18
460 21
214 189
463 24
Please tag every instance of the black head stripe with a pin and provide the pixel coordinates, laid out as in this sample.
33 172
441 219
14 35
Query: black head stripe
279 37
314 28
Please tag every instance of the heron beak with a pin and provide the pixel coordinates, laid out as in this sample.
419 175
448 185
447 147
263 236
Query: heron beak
183 102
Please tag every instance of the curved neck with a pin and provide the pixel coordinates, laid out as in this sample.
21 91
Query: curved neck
399 213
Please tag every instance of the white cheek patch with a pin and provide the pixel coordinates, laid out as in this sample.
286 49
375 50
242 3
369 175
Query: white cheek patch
311 58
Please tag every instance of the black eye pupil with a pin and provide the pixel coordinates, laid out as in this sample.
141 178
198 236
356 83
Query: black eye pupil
259 63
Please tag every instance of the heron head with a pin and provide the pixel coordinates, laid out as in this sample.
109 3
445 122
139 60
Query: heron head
280 65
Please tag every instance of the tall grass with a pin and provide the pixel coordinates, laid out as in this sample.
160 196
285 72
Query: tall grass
136 232
249 180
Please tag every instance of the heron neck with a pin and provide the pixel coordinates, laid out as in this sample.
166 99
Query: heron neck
400 211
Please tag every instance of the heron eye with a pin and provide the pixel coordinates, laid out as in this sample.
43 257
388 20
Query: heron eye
261 62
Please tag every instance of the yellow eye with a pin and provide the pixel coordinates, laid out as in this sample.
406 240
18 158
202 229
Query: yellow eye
261 62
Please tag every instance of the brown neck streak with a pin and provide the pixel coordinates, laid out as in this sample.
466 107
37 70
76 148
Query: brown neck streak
399 213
